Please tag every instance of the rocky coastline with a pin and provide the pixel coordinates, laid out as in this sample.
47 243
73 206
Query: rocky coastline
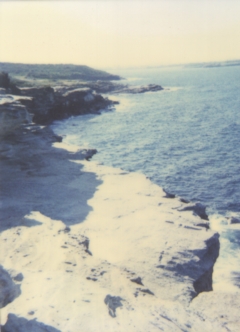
45 104
85 247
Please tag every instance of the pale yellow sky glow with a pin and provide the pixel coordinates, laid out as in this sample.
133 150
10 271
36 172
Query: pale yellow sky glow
119 33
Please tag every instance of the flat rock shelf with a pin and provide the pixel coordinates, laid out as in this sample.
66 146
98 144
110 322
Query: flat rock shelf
110 251
86 247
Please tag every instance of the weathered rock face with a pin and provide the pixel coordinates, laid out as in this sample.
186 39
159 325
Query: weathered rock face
8 289
43 101
199 270
49 105
13 115
20 324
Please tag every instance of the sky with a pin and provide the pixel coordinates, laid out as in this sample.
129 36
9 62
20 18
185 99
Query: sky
119 33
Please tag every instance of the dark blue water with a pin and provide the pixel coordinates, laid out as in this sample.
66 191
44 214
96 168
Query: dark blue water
185 138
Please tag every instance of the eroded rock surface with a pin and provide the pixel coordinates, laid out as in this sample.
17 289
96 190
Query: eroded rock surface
196 264
13 114
49 104
130 242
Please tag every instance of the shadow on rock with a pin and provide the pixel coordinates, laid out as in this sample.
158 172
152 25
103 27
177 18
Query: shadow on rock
198 209
197 265
20 324
37 177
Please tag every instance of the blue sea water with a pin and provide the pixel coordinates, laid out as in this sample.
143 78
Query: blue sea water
185 138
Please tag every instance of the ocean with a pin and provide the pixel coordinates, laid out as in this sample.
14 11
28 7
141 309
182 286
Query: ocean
185 138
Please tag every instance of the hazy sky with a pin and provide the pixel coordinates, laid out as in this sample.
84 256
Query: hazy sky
119 32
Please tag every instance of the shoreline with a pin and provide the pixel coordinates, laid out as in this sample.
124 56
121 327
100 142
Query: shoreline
89 247
132 261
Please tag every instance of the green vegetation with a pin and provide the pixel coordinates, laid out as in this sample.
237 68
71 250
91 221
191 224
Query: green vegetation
55 72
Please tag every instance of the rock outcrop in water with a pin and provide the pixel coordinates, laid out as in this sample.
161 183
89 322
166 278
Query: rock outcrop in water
55 104
44 104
